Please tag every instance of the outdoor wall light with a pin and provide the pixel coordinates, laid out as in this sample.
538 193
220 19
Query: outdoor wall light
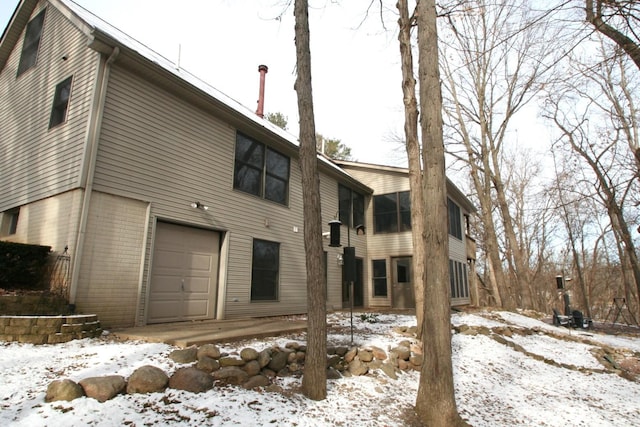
198 205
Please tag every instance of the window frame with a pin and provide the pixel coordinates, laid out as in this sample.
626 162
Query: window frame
379 279
269 175
31 43
60 105
351 215
454 219
9 222
458 279
401 213
259 278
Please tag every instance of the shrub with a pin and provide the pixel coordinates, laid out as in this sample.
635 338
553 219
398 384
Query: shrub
23 266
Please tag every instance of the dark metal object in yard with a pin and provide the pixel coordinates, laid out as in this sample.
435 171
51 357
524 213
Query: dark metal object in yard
619 307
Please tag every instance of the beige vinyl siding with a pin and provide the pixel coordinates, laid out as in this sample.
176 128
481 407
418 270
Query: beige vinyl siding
111 260
157 148
38 162
50 222
390 245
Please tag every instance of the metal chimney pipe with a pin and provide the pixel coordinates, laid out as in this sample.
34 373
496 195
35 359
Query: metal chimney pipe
262 69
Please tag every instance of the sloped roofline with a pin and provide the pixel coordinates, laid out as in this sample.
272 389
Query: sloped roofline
457 194
103 37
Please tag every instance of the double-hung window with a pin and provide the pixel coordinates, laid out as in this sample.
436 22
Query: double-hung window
260 170
31 42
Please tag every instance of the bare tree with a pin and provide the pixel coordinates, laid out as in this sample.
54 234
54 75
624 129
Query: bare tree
495 57
596 117
435 402
619 20
412 145
314 381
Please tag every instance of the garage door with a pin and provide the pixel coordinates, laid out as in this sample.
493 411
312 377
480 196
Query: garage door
184 274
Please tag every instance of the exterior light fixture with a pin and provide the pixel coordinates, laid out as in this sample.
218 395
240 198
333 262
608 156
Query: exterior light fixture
198 205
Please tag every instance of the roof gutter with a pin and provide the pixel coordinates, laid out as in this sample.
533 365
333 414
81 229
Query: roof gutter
89 161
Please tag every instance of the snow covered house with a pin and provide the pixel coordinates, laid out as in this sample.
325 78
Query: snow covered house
176 202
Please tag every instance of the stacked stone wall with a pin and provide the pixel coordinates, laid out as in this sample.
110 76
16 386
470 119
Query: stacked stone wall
49 329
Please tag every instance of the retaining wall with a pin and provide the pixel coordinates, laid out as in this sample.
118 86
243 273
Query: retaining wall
49 329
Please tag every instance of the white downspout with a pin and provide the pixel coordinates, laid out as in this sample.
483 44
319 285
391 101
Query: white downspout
89 163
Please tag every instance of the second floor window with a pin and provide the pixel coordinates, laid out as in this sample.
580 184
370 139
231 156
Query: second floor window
392 212
455 220
60 103
261 171
31 42
351 206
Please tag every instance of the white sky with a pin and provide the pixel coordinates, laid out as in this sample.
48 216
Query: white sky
355 68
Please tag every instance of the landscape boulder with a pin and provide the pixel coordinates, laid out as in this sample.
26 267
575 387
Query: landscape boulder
103 388
191 379
63 390
147 379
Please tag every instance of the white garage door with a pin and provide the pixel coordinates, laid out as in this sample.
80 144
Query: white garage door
184 274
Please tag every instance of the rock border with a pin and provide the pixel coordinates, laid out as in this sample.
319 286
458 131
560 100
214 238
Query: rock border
49 329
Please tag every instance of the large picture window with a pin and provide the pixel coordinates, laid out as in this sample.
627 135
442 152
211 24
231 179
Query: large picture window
351 206
455 220
392 212
261 171
265 268
31 42
379 267
458 279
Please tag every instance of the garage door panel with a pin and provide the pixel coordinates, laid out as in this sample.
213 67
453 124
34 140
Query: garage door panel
184 273
196 309
165 311
169 259
199 261
200 285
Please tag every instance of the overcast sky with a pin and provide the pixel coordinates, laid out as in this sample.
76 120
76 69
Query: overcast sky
355 62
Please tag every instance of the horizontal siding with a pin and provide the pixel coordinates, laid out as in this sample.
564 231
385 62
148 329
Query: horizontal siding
157 148
37 162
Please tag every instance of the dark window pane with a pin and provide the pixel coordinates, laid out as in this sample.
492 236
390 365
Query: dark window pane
358 209
455 222
385 213
247 179
276 190
379 278
31 43
452 280
60 103
404 199
277 165
344 205
265 270
249 152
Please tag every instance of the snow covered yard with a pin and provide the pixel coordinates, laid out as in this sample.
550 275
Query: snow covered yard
509 370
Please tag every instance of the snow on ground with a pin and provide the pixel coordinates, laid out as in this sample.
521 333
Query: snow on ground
496 384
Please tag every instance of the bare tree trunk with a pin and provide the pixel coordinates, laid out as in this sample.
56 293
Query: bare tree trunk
594 17
435 402
314 381
413 157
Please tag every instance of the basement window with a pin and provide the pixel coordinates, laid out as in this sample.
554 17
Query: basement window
9 222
